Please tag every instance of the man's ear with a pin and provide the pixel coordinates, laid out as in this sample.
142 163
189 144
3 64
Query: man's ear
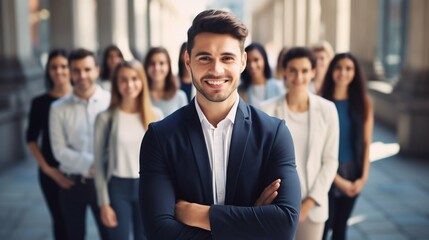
243 61
187 60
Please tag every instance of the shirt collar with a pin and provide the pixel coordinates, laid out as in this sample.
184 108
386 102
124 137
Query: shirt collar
230 116
98 94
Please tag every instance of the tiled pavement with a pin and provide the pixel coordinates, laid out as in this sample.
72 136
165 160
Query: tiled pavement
393 206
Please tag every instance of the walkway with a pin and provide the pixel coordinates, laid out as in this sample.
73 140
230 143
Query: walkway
393 205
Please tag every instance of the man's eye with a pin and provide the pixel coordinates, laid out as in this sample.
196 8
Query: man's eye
229 59
204 59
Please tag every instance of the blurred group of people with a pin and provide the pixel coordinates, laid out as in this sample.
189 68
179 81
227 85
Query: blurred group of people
330 117
322 98
91 123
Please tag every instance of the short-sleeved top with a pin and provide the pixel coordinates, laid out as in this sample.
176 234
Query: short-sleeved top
171 105
39 124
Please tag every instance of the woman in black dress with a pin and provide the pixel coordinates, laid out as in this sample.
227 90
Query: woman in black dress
57 79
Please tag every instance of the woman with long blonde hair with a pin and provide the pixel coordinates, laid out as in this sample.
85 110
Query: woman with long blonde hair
118 133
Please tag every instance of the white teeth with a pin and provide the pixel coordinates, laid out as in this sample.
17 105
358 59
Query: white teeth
215 82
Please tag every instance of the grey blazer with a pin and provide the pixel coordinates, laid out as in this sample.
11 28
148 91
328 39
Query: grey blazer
105 151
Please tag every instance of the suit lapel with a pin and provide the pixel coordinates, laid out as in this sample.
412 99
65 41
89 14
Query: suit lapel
240 134
199 148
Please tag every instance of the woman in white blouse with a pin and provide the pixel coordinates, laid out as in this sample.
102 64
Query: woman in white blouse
313 122
118 134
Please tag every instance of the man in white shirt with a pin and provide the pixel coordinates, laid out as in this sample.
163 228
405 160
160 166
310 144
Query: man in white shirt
218 168
71 132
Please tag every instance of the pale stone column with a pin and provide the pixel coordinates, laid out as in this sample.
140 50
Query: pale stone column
73 24
112 25
278 18
18 71
364 26
155 23
295 23
313 21
288 26
335 20
412 91
138 25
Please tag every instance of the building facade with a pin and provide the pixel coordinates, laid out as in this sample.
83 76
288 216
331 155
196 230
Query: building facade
389 41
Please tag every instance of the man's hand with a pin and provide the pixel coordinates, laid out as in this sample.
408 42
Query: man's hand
193 214
269 194
58 177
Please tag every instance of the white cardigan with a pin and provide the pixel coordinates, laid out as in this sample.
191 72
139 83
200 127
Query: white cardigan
322 163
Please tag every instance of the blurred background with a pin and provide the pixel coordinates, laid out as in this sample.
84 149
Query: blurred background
389 37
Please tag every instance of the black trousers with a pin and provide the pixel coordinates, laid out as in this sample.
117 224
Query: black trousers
51 193
74 202
340 209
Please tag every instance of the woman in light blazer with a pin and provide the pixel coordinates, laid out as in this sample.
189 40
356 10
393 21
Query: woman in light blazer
313 122
118 134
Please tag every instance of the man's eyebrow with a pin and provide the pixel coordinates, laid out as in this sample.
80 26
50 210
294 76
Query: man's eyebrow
202 54
223 54
229 54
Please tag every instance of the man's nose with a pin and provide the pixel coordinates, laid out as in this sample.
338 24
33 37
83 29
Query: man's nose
217 67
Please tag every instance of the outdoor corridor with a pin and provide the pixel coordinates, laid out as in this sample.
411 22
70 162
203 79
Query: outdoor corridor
393 205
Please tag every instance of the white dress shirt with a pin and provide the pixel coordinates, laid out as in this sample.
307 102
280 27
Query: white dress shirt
71 123
218 141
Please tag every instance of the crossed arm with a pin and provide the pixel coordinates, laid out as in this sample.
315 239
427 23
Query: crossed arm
165 217
198 215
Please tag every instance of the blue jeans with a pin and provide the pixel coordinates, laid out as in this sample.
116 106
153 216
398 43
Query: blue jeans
124 199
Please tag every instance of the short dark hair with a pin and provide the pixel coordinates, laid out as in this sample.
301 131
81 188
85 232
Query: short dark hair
217 21
81 53
53 54
299 52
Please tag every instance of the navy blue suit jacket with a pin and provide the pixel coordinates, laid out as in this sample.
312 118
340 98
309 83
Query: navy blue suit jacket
174 164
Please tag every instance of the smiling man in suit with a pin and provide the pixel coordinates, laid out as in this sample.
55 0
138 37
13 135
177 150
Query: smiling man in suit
218 168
